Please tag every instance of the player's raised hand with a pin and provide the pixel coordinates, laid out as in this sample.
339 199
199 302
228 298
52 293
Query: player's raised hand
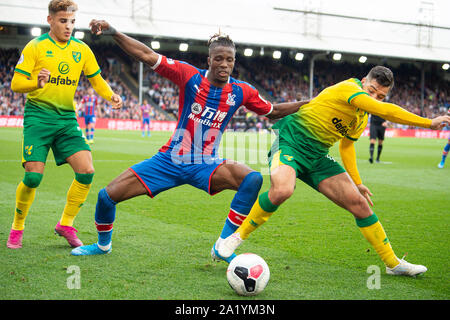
440 122
116 101
99 27
43 77
365 192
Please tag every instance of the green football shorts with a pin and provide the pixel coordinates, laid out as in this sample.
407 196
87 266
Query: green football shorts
63 136
310 167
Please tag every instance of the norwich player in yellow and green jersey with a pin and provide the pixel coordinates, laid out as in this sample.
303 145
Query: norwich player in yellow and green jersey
330 116
65 62
49 70
338 113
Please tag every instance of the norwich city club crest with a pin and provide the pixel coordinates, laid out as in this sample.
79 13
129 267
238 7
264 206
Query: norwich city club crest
76 56
28 150
288 158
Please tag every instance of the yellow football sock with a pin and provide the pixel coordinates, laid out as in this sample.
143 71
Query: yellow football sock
373 231
24 198
261 211
76 196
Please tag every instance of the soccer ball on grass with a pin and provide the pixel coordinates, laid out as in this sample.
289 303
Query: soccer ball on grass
248 274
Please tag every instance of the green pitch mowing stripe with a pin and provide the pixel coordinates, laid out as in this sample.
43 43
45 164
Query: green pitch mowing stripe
161 246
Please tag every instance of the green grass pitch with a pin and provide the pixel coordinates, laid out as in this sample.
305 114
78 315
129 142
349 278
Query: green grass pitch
161 246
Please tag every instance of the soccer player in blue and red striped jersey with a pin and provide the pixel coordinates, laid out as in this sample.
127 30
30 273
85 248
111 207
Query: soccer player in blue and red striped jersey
90 102
145 109
208 100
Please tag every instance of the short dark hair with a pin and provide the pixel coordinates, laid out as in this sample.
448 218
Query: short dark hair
382 75
220 39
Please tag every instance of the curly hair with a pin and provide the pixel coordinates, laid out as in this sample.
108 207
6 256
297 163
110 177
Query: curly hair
220 39
61 5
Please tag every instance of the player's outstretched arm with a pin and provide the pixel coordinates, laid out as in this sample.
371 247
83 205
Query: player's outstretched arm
394 113
281 110
133 47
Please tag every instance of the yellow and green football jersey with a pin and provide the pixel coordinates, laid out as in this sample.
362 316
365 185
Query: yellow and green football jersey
65 63
328 117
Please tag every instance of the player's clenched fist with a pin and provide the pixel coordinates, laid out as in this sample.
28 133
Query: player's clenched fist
440 122
116 101
99 27
43 77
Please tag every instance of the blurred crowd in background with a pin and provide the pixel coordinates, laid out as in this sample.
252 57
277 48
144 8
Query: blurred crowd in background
277 80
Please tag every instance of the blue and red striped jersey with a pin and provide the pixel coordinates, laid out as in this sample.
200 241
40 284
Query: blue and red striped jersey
204 110
90 104
146 109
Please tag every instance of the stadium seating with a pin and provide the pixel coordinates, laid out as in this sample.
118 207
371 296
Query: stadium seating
278 81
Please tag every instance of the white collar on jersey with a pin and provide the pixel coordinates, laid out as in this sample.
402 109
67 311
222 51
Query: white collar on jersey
206 76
